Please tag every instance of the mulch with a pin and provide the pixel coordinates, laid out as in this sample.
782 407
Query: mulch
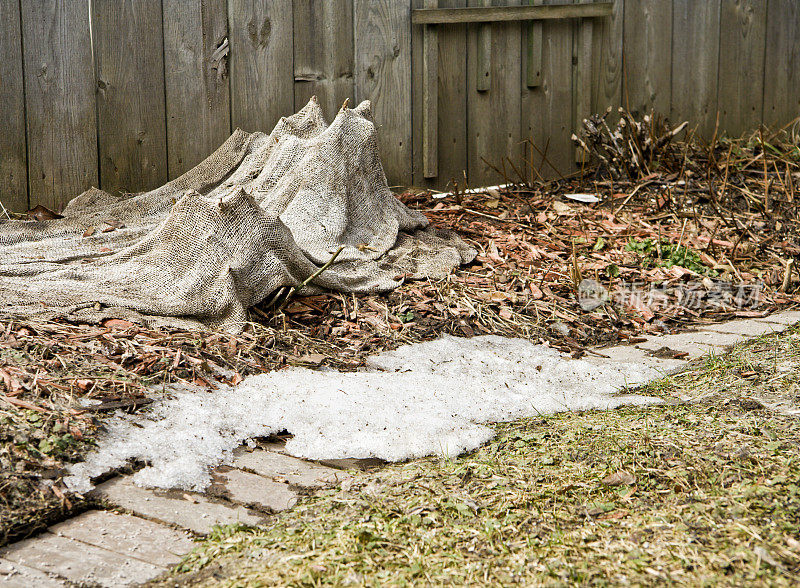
691 234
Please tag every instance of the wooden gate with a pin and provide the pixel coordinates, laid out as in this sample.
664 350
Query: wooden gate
499 89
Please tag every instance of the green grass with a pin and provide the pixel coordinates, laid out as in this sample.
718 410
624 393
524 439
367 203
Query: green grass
665 254
701 493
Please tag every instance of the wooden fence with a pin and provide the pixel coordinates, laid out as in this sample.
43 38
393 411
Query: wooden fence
126 94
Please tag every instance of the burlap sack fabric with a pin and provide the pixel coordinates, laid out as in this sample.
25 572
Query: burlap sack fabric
262 212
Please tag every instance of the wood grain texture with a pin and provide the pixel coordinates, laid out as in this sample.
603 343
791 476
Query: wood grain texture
546 112
196 80
531 100
451 104
261 62
323 53
647 50
533 67
129 60
582 83
430 98
382 36
607 60
493 129
782 63
13 157
510 13
59 100
695 65
740 94
483 69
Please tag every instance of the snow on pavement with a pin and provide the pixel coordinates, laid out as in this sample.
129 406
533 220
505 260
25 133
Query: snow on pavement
427 398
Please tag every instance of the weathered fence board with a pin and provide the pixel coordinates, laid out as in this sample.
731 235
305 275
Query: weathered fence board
13 161
131 121
695 63
430 99
647 56
382 41
531 94
740 92
550 111
196 80
494 114
451 102
261 62
782 63
509 13
59 100
607 60
323 56
533 51
582 82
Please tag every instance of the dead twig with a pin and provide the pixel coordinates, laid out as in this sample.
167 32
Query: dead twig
293 290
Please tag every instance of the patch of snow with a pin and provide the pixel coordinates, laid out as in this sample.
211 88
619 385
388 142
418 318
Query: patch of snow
428 398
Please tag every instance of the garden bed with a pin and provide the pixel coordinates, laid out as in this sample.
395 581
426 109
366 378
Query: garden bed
695 234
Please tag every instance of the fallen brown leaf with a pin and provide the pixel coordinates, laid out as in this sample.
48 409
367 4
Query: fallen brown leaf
619 478
84 383
113 323
42 213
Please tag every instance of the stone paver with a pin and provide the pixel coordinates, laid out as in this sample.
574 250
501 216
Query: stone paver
79 562
199 515
352 463
15 575
697 344
746 328
348 463
257 490
631 354
709 339
127 535
297 472
787 317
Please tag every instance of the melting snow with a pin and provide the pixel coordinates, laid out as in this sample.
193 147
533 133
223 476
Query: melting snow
422 399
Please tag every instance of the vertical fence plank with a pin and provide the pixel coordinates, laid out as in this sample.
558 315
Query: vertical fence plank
743 24
261 62
546 111
13 162
196 80
59 100
533 51
382 30
430 98
607 60
494 132
782 63
452 101
695 58
647 56
582 83
323 53
483 58
129 60
532 97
